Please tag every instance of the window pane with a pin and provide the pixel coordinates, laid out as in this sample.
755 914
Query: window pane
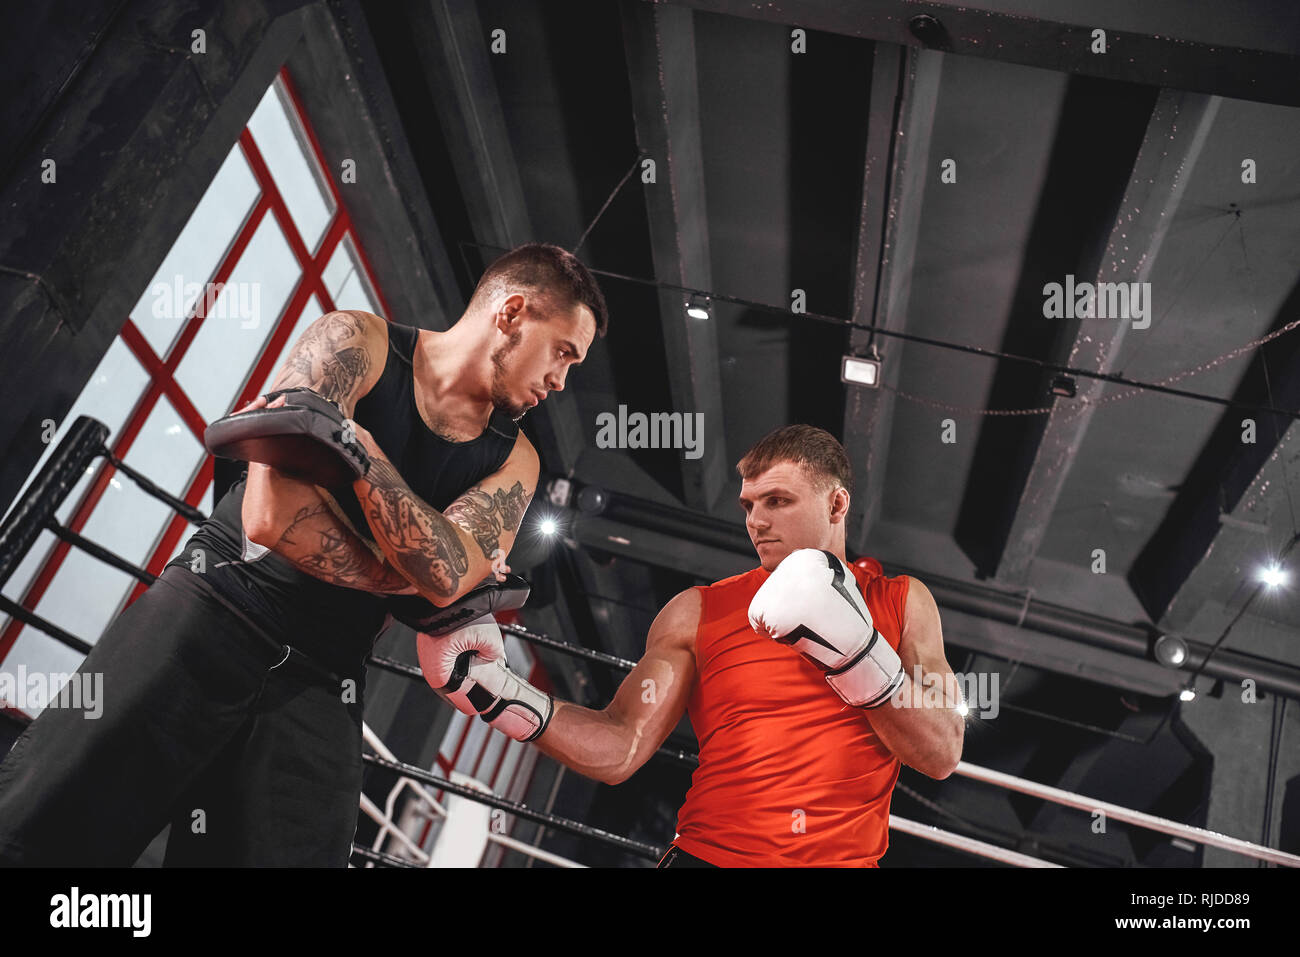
109 395
197 253
310 313
126 520
84 596
287 155
355 295
85 592
166 451
22 577
345 281
222 355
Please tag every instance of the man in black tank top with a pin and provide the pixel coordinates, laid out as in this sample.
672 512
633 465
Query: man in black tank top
233 685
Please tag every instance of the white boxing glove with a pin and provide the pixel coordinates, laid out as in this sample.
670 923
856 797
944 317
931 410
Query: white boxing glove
468 668
504 700
812 602
440 655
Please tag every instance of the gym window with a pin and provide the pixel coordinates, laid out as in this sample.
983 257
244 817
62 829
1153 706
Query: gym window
268 249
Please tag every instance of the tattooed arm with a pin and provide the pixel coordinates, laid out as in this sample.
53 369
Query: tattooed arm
321 544
341 356
445 554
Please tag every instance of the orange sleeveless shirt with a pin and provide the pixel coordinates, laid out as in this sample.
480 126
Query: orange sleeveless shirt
789 775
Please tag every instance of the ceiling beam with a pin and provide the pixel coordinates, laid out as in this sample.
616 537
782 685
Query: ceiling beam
1177 132
346 94
1224 507
454 52
1166 44
895 167
660 49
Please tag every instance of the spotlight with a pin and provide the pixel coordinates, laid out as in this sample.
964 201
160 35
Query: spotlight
1274 575
856 371
592 500
1170 651
1187 694
962 709
548 526
697 307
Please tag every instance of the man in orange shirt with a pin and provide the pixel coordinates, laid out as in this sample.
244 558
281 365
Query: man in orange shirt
802 678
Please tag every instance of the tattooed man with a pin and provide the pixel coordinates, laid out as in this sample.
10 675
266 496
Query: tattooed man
233 685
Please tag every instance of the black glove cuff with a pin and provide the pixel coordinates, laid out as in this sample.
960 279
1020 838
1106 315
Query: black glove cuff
489 597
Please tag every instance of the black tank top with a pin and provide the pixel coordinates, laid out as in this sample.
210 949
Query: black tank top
333 624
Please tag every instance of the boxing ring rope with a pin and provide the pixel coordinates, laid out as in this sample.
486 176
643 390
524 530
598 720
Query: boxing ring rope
1120 813
86 439
928 832
637 848
422 857
388 827
577 828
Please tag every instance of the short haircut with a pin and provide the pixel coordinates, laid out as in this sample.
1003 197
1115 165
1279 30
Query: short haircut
549 271
816 450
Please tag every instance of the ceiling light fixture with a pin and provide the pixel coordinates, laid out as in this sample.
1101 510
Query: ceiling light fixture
855 370
1273 575
697 307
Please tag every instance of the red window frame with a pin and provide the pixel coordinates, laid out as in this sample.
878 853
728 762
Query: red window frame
162 381
161 371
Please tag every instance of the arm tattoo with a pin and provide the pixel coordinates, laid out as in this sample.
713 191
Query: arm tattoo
317 546
330 357
486 515
429 550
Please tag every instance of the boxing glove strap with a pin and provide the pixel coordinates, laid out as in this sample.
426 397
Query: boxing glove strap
543 716
871 677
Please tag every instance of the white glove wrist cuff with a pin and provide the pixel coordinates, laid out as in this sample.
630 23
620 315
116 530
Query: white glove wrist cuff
523 715
872 676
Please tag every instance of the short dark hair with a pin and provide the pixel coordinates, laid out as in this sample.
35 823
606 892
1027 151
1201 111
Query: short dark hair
553 273
806 445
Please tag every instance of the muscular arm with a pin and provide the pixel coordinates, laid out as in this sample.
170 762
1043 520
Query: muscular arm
320 544
610 745
339 357
920 731
445 554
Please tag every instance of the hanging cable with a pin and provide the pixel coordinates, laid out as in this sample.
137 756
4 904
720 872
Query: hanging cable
1136 386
